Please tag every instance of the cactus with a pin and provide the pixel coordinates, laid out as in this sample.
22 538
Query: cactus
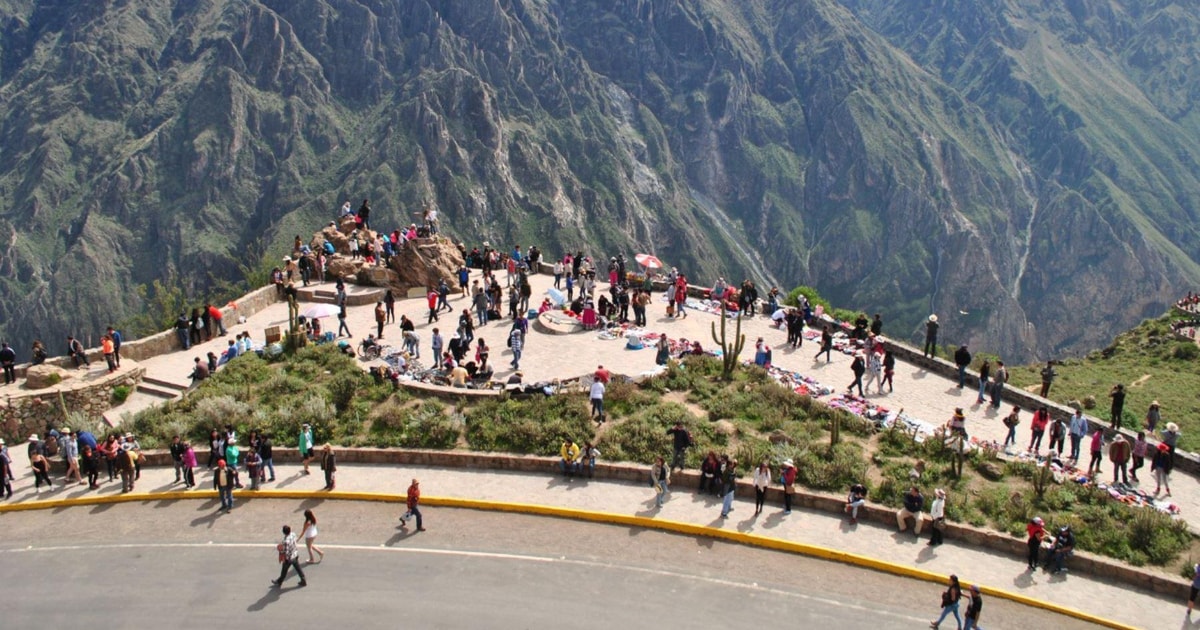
729 351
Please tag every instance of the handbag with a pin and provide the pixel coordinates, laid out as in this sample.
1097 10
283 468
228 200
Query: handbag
939 524
945 598
279 548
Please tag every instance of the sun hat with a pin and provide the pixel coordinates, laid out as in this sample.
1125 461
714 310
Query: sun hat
1154 403
1172 427
1038 520
33 438
941 493
787 462
66 430
958 413
933 318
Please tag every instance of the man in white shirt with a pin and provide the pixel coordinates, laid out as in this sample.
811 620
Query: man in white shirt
598 401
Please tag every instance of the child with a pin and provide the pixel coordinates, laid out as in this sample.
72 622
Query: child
1139 454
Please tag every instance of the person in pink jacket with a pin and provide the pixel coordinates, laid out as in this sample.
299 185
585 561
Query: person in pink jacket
189 462
1097 452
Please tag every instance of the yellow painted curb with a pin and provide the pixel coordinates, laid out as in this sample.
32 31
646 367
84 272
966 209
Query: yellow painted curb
689 529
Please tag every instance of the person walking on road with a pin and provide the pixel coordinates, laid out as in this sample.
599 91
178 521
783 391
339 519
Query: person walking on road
309 532
974 609
223 481
414 505
950 600
289 556
660 479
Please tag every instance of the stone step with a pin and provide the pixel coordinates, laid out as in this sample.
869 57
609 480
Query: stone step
159 392
157 383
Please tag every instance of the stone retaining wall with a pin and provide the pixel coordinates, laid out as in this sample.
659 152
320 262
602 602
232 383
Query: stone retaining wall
31 412
687 481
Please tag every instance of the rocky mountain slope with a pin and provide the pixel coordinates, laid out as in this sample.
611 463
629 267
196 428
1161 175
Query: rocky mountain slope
1027 172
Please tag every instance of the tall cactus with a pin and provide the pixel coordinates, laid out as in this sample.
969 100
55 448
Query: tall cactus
729 351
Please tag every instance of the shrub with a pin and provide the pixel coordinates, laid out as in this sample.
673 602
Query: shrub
535 426
814 298
120 393
1185 351
344 386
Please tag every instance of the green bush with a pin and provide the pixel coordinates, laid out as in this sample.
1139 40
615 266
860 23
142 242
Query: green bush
1186 351
423 426
120 393
536 426
814 298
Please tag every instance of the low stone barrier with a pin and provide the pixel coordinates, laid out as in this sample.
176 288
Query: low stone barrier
955 533
31 411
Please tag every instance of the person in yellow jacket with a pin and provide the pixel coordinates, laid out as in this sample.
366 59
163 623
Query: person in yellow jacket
569 464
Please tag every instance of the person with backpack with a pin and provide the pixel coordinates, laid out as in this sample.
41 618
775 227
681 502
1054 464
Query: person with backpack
950 599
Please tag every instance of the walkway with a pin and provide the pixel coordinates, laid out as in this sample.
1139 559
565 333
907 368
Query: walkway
1113 601
920 393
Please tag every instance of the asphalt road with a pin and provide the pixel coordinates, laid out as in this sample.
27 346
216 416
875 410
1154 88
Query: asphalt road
178 563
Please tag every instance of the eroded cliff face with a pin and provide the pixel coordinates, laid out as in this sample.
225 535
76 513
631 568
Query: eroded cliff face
799 142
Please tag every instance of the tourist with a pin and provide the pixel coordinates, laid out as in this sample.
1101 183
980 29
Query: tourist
1195 590
762 480
681 440
1117 394
913 504
1161 466
412 343
516 341
1140 447
1077 430
889 370
41 471
125 467
660 480
253 467
795 327
1170 436
443 290
1011 421
1058 435
569 458
662 352
858 367
1036 531
709 469
305 446
364 215
482 353
931 333
69 449
1037 427
826 344
109 451
1097 450
998 381
431 300
597 398
1064 547
974 609
985 372
77 353
8 359
874 371
223 483
38 354
414 505
1048 374
309 532
1153 416
787 474
189 464
437 343
289 556
587 458
1118 453
213 361
89 462
343 329
856 499
937 515
266 452
728 486
962 360
950 600
216 321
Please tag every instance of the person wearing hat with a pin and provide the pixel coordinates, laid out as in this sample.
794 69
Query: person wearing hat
36 446
973 609
958 423
1064 547
1036 530
1118 453
1153 416
937 514
223 482
1161 466
305 446
125 467
69 449
414 505
1170 436
931 332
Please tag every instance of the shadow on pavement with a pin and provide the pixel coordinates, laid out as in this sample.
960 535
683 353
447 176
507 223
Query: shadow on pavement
208 519
919 374
309 504
927 554
268 598
101 508
773 520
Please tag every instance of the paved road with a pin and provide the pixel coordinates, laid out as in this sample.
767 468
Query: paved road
179 563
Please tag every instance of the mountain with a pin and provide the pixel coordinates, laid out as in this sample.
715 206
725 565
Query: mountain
1025 171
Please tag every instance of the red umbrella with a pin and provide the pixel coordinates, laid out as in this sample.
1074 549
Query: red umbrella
648 261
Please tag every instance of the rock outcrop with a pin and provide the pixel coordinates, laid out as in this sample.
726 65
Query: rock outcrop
45 375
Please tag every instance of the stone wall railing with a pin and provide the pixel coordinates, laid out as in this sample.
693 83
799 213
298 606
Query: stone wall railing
31 411
955 533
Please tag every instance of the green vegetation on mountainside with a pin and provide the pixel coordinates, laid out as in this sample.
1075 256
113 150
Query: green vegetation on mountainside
1149 361
749 417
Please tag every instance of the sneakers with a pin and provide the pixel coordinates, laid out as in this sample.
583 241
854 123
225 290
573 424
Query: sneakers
302 584
403 522
275 582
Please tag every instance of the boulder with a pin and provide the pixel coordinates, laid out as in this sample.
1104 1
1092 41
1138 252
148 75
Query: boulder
45 375
342 267
375 276
425 261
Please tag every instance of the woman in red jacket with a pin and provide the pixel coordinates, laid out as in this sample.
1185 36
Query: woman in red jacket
1041 418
